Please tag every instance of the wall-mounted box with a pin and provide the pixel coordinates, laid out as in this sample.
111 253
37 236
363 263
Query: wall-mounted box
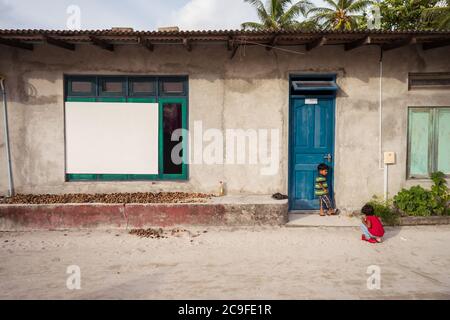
389 158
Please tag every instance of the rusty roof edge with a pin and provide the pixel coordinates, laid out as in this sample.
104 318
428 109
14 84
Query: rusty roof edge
185 33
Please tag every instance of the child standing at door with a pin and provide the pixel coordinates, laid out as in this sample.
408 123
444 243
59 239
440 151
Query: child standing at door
322 191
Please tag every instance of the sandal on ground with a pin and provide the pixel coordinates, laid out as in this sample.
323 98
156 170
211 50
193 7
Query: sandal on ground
335 213
371 240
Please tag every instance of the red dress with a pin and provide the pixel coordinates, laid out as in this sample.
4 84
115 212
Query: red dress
376 229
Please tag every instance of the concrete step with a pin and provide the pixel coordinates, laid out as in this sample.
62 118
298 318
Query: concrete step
297 220
223 211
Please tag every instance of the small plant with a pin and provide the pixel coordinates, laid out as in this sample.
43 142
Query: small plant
385 210
415 201
440 193
418 201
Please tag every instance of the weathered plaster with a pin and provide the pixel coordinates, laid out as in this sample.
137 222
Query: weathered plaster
249 92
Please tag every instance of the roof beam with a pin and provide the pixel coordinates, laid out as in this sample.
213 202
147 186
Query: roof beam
59 43
316 43
146 43
358 43
400 43
434 45
102 43
235 49
230 44
272 43
187 44
17 44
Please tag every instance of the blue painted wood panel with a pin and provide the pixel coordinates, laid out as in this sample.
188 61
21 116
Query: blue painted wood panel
311 141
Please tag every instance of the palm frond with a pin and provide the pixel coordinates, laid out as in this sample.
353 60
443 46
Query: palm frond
332 4
278 14
359 6
438 17
319 10
340 14
297 9
252 26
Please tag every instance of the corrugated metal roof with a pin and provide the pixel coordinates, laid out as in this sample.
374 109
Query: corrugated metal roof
111 32
25 38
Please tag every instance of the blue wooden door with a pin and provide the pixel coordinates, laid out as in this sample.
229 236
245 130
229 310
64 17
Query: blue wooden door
311 143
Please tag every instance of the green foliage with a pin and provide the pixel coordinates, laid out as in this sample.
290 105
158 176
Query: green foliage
340 15
386 211
278 14
418 201
440 193
346 15
407 14
415 201
437 17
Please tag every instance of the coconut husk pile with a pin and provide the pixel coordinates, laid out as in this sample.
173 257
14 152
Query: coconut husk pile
149 233
161 234
125 198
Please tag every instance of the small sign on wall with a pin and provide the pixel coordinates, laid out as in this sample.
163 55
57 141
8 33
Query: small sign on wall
311 101
389 158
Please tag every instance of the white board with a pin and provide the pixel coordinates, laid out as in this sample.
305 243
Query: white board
311 101
111 138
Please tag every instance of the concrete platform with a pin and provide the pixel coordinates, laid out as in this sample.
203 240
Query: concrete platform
223 211
425 221
298 220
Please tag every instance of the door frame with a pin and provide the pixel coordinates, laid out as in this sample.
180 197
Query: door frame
291 124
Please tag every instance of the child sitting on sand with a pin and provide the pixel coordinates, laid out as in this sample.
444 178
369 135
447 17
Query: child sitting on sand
372 227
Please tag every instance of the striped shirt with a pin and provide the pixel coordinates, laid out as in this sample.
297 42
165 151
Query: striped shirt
321 187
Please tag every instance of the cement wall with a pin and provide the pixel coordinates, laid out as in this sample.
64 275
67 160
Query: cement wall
249 92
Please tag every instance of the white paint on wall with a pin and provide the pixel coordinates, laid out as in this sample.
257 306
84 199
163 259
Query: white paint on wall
111 138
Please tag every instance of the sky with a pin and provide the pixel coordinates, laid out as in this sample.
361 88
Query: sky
137 14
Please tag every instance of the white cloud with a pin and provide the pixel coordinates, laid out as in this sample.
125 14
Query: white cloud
99 14
139 14
212 14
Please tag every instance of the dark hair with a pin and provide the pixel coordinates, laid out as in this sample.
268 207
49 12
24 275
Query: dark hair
322 166
368 210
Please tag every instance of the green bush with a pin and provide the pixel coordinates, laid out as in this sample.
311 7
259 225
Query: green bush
418 201
440 193
415 201
386 211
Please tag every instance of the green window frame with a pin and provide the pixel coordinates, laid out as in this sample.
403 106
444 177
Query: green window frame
164 80
131 97
69 85
184 175
134 80
122 81
428 141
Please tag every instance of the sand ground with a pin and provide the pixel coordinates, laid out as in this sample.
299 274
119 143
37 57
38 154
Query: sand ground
226 263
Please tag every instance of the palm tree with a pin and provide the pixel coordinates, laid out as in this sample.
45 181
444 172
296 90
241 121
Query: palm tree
278 14
439 16
341 15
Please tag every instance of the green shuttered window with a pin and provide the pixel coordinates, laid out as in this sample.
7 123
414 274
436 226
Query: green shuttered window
428 141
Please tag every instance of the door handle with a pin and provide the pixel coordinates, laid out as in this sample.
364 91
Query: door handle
328 157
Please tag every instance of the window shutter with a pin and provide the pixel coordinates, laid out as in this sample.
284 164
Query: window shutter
443 137
419 141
